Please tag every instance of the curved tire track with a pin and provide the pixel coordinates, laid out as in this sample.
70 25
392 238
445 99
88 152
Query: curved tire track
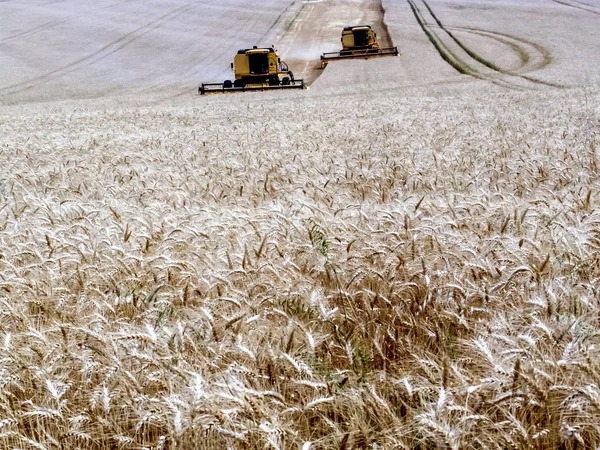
468 67
446 54
98 55
516 44
482 60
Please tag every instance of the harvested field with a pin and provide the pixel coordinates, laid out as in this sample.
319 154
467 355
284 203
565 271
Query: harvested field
405 255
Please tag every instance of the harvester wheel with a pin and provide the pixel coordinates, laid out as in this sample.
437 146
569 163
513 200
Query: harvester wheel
227 84
274 81
239 83
285 81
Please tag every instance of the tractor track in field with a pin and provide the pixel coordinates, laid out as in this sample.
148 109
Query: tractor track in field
585 3
473 64
519 47
98 55
446 53
276 21
53 23
579 5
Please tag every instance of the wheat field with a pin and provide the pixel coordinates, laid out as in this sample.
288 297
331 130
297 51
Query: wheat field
426 279
394 262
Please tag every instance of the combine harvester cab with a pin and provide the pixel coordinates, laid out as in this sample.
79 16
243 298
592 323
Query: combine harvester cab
256 69
358 42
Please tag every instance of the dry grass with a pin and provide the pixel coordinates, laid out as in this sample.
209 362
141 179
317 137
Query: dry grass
352 272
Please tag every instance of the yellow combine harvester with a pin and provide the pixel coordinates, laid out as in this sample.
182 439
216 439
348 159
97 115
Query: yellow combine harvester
358 42
256 69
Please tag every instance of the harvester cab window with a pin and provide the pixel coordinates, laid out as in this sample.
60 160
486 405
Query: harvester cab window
259 63
361 38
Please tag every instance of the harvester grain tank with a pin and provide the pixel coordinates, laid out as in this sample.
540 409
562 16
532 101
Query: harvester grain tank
358 41
256 69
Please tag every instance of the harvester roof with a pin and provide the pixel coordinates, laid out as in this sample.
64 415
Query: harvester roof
255 49
354 27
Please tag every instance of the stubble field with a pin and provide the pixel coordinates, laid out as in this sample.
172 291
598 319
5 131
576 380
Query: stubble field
408 259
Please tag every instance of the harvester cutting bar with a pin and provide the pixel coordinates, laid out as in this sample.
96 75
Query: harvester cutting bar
208 88
362 53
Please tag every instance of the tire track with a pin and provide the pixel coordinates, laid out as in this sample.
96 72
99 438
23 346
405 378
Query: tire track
482 60
98 55
516 44
493 73
276 21
51 2
41 27
53 23
446 54
585 3
584 7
